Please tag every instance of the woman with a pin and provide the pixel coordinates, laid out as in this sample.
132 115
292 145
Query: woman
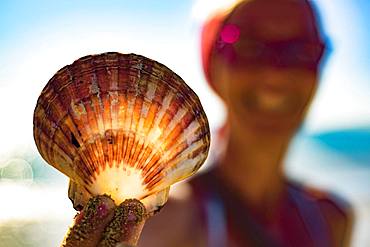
262 58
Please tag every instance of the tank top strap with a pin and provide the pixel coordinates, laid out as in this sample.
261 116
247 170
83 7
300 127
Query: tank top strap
211 211
311 215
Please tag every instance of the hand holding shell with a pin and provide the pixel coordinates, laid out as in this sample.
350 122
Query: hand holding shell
122 125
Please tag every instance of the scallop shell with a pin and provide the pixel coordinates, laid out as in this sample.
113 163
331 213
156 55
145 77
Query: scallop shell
123 125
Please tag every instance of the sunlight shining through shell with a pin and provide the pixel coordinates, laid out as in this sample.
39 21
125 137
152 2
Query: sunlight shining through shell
121 124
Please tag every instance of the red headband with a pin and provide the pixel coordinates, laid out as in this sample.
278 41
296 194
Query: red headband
208 37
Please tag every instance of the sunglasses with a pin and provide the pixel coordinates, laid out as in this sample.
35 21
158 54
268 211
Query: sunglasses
289 53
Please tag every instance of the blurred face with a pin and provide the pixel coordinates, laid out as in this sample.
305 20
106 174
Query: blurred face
265 65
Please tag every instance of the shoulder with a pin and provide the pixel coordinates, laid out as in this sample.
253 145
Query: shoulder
340 216
338 213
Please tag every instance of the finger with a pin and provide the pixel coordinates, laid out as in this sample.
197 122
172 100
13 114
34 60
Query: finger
126 226
90 223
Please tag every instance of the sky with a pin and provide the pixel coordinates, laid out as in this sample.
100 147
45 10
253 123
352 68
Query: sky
39 37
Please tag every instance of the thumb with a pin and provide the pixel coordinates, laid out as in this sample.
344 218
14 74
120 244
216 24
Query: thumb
125 228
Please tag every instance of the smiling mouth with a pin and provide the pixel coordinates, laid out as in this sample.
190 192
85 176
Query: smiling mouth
270 103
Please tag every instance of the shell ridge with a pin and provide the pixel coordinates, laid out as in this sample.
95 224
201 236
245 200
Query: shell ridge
135 67
102 88
143 85
120 137
183 146
98 102
90 157
113 94
44 145
110 140
80 117
157 148
92 121
100 150
128 140
128 118
152 121
69 123
151 162
47 146
134 125
83 174
186 155
175 132
86 166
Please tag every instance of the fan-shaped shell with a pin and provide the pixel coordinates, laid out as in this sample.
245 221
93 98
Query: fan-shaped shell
121 124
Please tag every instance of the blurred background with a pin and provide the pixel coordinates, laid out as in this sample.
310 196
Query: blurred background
332 149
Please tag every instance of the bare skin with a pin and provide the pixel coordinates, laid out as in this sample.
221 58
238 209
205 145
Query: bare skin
102 224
